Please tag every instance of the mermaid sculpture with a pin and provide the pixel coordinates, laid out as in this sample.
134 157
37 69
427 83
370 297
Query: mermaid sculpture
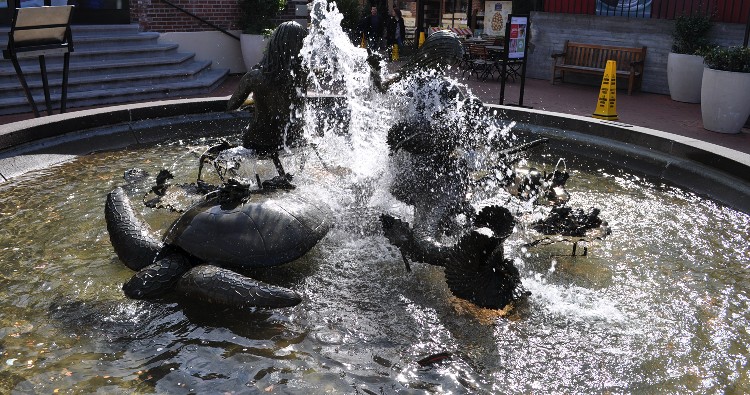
429 148
275 83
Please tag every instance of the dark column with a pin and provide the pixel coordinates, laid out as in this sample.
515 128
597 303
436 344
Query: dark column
420 22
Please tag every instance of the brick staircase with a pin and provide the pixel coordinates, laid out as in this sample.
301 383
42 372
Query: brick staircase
110 64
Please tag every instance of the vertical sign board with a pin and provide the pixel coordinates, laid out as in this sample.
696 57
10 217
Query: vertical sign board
495 15
516 44
517 36
37 32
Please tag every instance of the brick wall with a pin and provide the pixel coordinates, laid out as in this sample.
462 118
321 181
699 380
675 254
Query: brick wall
157 16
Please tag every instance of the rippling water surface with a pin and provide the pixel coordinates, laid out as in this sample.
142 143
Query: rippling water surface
660 305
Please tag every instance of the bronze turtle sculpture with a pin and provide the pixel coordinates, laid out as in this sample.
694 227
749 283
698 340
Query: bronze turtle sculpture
220 232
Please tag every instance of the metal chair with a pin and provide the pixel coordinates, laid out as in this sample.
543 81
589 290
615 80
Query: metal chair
481 63
512 66
40 31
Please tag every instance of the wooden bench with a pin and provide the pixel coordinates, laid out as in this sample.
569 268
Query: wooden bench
592 59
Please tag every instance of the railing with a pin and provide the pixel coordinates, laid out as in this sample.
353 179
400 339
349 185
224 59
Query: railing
214 26
729 11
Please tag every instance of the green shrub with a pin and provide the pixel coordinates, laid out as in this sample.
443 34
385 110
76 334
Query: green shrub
727 58
690 33
257 16
352 13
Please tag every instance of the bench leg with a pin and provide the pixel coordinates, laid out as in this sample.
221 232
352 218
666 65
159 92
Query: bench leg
631 81
554 78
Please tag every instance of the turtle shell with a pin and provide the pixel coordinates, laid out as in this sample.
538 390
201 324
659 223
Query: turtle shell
265 230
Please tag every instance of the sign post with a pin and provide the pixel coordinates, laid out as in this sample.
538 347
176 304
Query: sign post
515 52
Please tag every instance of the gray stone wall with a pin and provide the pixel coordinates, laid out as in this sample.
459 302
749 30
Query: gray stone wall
550 31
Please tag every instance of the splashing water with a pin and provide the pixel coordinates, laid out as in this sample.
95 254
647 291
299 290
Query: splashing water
347 121
660 306
338 69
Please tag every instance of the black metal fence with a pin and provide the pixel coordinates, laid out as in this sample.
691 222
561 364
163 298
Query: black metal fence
730 11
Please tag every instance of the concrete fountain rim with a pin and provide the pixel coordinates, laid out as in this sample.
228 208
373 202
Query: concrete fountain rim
705 168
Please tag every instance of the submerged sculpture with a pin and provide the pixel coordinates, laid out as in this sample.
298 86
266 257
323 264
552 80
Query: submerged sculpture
232 227
433 146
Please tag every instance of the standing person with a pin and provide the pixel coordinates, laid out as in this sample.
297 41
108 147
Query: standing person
395 29
390 30
400 29
372 27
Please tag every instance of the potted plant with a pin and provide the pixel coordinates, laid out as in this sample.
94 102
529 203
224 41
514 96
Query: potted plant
725 89
257 21
684 65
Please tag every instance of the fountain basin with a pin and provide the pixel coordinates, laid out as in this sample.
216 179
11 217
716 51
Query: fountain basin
664 311
36 143
704 168
720 173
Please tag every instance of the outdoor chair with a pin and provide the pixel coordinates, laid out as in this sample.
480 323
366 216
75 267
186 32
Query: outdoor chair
512 66
480 62
464 62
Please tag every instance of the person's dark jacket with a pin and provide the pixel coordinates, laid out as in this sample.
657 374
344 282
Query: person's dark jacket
371 26
402 29
395 23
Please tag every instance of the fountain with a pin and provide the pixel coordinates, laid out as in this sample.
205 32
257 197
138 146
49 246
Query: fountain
659 305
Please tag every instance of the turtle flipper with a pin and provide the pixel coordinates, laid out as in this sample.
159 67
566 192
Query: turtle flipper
213 284
132 238
159 278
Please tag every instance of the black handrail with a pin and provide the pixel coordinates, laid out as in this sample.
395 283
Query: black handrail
169 3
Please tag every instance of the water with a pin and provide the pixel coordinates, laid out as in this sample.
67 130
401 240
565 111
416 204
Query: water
660 305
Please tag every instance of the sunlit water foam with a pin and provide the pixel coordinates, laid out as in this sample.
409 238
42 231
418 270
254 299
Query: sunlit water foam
352 148
572 302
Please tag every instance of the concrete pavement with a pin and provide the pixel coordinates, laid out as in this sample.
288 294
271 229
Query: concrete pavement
648 110
641 109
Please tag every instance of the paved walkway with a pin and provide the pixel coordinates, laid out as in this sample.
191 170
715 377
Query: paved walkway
641 109
648 110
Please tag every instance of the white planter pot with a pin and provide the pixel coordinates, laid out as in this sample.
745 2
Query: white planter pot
252 46
725 100
684 76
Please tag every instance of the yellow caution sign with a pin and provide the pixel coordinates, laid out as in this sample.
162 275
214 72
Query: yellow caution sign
606 107
394 53
421 38
363 43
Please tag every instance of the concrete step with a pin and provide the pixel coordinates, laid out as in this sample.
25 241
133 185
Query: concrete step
96 66
85 33
123 78
110 64
206 81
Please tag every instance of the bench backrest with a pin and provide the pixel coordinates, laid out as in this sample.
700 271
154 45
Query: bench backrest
592 55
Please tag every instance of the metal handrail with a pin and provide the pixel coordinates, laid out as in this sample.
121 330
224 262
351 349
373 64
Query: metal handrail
169 3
